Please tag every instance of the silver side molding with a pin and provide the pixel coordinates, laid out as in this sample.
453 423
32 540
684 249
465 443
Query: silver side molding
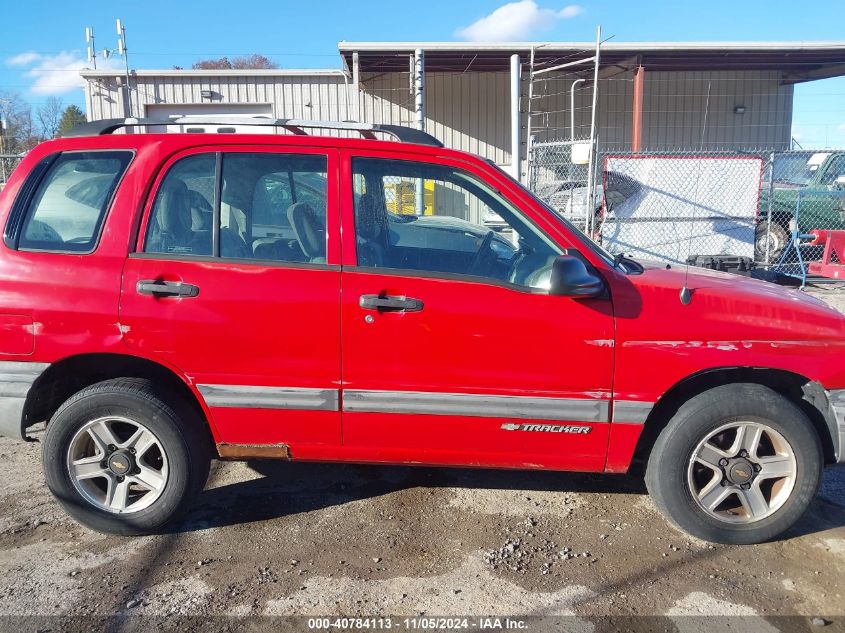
16 379
518 407
253 397
631 411
426 403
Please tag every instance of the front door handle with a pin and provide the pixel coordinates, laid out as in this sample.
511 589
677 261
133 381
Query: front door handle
390 303
158 288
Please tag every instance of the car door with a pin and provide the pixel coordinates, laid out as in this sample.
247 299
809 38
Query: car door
825 207
235 283
453 351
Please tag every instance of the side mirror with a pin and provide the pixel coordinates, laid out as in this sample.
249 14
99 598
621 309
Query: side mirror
571 278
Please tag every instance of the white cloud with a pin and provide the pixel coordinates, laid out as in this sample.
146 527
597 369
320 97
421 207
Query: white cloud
23 59
573 10
55 74
516 21
841 128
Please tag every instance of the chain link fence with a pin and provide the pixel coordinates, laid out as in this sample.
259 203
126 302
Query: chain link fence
558 172
677 207
803 192
8 162
732 210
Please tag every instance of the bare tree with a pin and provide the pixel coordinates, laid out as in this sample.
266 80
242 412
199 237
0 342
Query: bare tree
239 63
222 63
253 61
16 135
19 135
49 115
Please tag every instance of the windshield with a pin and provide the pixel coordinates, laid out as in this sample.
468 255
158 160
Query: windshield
797 169
585 241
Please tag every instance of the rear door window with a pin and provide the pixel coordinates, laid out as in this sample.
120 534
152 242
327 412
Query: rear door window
274 207
263 206
182 219
67 210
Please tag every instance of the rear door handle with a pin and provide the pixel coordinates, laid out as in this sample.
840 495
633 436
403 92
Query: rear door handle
166 288
390 303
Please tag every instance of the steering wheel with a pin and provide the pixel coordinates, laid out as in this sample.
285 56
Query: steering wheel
483 256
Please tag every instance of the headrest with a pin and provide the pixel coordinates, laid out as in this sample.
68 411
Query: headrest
370 217
174 216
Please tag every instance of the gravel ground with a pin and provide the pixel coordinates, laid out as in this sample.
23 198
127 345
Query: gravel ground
272 538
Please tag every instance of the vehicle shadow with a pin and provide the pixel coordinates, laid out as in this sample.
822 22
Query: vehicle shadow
285 488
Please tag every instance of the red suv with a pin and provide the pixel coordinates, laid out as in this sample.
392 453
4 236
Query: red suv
171 298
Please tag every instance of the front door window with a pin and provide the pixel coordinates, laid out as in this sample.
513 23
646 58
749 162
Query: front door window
442 220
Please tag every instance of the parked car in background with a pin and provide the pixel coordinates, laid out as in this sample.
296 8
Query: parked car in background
818 179
172 298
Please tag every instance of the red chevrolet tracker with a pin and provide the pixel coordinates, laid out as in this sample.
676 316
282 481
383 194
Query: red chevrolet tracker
172 298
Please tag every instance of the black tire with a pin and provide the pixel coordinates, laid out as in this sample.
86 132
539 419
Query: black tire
666 473
778 238
173 423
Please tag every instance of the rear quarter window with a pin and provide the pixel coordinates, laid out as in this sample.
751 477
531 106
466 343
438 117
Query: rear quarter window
66 211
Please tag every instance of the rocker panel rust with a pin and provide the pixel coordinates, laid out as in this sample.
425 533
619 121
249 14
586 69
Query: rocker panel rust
253 451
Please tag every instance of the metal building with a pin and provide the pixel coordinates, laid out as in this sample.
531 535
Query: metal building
474 96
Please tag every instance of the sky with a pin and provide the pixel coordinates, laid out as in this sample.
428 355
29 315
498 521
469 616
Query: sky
42 42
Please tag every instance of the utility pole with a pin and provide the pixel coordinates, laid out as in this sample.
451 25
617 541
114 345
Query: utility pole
3 127
418 77
122 50
92 50
593 141
2 151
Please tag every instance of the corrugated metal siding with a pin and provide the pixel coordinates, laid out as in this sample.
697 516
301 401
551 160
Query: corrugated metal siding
306 97
675 105
470 111
673 110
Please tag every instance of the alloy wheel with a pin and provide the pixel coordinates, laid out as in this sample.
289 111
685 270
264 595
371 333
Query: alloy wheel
117 464
742 472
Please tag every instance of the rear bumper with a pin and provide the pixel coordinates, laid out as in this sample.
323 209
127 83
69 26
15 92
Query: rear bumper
16 379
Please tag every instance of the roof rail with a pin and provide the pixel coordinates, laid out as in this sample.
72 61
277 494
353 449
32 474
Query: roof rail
295 126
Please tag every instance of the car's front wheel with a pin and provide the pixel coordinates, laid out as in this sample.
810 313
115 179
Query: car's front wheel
123 458
770 241
736 464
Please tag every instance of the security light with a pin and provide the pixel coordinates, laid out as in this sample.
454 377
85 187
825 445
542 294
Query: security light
739 109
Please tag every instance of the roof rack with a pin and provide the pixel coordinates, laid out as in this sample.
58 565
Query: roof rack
295 126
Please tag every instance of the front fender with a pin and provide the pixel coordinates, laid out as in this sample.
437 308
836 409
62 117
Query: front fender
831 404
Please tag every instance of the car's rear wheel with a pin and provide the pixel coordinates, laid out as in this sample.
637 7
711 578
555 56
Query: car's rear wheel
124 458
736 464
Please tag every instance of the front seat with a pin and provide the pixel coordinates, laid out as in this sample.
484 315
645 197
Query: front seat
201 211
173 233
310 231
370 225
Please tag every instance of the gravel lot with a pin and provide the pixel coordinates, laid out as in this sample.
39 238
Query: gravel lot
270 538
